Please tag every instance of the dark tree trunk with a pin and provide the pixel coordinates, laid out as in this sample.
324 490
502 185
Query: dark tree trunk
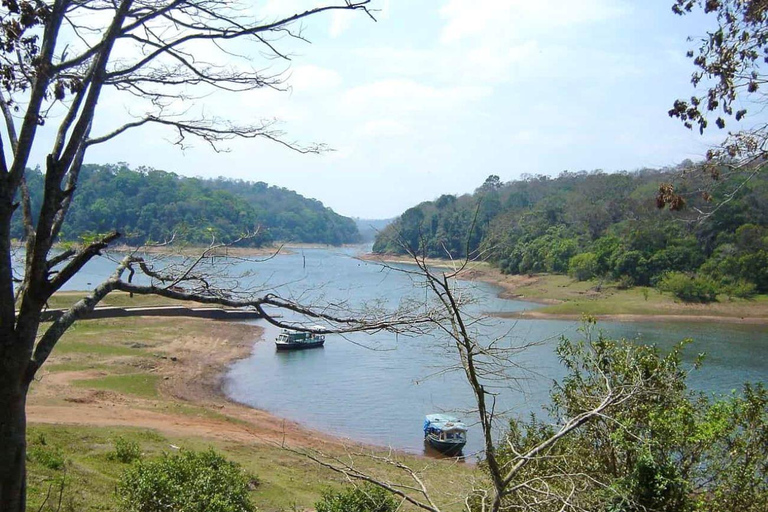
13 431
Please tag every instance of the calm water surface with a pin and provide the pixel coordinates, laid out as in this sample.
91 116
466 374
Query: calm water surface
377 388
380 394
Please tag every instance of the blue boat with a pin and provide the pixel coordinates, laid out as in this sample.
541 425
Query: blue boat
445 433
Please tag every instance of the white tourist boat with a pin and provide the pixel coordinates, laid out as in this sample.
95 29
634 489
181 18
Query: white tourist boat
298 340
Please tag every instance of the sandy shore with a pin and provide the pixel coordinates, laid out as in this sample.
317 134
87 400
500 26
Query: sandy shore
191 372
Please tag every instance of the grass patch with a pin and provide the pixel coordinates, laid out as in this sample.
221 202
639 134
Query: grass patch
139 384
593 298
195 411
75 347
114 299
88 478
286 481
76 366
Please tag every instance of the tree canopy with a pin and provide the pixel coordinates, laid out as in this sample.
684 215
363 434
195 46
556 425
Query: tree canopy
593 224
150 205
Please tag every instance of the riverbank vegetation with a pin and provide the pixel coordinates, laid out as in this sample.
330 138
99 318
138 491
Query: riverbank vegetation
666 447
603 228
147 204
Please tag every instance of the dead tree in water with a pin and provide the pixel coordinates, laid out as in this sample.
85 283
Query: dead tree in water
509 483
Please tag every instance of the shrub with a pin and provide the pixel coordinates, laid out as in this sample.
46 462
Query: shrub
664 448
625 283
740 289
125 451
583 266
687 288
48 456
366 498
185 482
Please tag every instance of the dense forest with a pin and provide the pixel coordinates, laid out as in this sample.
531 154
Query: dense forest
151 205
599 225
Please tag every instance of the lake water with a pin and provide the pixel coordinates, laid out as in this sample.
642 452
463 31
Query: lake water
377 388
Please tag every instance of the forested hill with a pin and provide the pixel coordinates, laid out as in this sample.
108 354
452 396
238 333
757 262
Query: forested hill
593 224
147 204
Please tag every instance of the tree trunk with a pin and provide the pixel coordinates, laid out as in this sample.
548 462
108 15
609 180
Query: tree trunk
13 444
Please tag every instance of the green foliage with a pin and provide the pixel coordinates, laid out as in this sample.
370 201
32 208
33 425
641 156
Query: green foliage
147 204
583 266
50 457
740 289
366 498
126 451
689 288
540 224
663 447
185 482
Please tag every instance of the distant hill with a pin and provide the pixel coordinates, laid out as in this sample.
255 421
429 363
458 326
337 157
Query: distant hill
369 228
147 204
598 225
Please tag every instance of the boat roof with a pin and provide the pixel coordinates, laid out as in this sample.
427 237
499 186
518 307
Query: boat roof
312 328
444 421
306 330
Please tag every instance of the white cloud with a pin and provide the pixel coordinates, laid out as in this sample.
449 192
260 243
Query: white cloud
313 78
386 128
505 19
410 96
340 22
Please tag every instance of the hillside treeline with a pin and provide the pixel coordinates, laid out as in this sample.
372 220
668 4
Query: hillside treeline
151 205
599 225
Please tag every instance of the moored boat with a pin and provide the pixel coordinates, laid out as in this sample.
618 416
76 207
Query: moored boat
445 433
297 340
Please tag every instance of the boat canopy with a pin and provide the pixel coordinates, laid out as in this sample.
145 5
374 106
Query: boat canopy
441 422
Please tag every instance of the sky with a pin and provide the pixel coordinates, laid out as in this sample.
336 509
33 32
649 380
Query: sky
436 95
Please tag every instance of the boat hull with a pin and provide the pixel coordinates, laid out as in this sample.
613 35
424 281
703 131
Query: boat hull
299 346
445 447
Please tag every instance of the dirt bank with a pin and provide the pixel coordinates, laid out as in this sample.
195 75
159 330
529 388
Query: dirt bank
189 371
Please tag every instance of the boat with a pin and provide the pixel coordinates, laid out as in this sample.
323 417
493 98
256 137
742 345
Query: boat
297 340
445 433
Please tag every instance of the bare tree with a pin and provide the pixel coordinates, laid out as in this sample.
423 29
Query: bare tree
58 59
520 475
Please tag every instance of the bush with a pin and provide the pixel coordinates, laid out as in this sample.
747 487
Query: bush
625 283
185 482
687 288
740 289
125 451
366 498
664 448
583 266
48 456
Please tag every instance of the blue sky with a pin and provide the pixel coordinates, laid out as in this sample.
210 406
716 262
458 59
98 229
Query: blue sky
438 94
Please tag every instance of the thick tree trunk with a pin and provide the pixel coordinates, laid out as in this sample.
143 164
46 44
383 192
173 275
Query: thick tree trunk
13 433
